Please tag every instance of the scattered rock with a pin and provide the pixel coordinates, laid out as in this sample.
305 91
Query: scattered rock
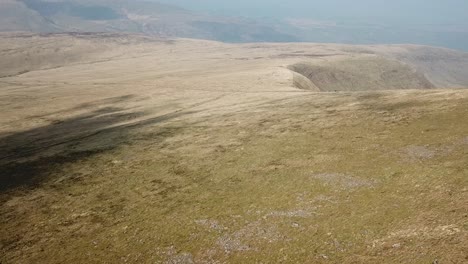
324 256
210 224
232 243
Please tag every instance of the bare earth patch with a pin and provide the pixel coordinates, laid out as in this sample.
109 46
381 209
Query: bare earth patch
342 180
245 238
418 153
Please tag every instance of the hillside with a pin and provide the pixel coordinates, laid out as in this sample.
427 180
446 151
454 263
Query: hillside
16 16
362 73
26 52
122 148
317 66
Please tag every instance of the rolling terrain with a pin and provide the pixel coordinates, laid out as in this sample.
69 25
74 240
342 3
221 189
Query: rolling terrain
119 148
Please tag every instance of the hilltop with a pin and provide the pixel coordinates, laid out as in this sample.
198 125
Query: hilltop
324 67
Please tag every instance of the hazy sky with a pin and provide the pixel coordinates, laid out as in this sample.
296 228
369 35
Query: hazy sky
411 11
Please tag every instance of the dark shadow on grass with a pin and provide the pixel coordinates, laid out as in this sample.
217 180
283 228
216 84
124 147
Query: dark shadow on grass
27 158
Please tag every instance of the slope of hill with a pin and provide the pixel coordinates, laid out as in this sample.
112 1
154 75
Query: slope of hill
16 16
24 52
191 151
361 73
315 66
443 67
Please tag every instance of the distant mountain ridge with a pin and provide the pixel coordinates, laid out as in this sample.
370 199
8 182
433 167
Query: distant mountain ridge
138 16
154 18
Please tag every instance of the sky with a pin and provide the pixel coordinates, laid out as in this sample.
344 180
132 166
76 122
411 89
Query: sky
395 11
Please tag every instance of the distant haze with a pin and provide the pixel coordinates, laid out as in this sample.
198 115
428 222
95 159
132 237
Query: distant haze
412 11
442 23
428 22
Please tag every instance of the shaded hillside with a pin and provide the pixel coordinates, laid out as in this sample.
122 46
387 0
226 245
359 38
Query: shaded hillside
358 74
443 67
16 16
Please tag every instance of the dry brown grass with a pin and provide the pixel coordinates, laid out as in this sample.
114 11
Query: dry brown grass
191 154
